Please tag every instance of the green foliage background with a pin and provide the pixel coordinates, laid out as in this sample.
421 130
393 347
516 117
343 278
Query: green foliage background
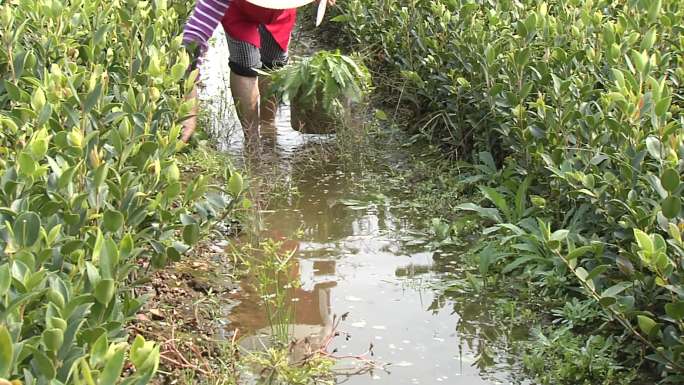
571 113
91 196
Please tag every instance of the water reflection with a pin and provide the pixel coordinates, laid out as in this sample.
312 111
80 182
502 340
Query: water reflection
357 254
312 318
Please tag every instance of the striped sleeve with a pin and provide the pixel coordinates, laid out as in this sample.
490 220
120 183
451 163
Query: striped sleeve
204 19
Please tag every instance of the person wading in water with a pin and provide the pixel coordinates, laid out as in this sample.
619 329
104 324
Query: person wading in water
258 33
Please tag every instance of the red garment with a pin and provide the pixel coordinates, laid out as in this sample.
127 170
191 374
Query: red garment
242 21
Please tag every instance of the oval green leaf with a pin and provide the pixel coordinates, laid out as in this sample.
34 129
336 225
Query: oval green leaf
104 291
675 310
45 366
191 233
5 279
671 206
173 254
112 371
616 289
53 339
644 241
26 229
113 220
646 324
98 351
654 147
670 179
235 184
27 165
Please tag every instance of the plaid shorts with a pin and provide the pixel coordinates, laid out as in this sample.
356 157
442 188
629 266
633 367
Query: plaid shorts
248 56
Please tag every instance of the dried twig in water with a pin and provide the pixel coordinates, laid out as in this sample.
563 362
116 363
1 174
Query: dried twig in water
368 365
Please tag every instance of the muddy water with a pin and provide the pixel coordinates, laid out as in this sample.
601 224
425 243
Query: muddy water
363 258
358 253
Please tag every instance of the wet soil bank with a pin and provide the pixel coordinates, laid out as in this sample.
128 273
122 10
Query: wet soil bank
184 314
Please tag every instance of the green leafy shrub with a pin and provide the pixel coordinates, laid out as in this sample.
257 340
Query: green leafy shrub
90 192
582 100
325 80
324 84
562 357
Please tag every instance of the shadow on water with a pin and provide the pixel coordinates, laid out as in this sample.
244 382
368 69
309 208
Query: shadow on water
356 252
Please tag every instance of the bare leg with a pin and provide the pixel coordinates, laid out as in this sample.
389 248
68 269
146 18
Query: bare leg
190 124
268 109
246 96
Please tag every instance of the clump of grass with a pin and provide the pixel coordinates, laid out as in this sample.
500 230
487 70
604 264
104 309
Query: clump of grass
558 356
206 160
270 267
277 368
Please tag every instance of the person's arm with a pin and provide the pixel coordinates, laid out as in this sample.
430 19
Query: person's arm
200 26
204 19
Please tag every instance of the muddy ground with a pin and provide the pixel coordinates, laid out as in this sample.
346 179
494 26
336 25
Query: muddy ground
185 314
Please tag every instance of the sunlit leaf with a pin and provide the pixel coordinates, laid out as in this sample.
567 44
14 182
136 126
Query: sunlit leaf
6 352
644 241
112 370
655 148
646 324
235 184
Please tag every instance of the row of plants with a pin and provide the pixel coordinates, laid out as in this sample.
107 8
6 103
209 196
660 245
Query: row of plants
91 195
570 112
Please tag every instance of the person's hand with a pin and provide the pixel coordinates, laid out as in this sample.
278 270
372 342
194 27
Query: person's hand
190 124
195 50
332 2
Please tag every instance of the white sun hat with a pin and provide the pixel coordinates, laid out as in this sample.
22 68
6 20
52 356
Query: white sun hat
280 4
287 4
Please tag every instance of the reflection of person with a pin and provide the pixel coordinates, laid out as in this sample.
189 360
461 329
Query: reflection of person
312 306
312 312
258 34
